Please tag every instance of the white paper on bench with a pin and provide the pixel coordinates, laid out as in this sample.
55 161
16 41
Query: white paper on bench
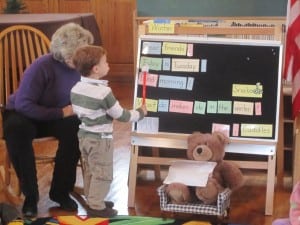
188 172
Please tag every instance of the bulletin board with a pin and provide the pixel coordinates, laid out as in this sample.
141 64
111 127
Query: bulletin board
179 8
207 84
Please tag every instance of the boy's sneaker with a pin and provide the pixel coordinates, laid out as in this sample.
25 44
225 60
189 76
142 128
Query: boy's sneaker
109 204
105 213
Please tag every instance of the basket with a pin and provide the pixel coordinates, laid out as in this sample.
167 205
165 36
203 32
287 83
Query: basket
220 209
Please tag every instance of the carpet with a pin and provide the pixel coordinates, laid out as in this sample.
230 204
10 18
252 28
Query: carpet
118 220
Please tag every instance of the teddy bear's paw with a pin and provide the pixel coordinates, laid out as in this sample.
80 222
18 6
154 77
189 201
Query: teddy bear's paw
209 194
178 193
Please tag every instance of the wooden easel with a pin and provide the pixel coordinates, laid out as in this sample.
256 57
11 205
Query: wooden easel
179 141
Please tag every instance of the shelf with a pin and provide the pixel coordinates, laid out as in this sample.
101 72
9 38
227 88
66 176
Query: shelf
288 126
288 121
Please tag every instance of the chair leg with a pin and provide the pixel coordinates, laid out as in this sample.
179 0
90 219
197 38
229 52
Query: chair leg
8 173
4 189
7 168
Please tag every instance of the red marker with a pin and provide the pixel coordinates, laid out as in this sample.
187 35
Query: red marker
144 73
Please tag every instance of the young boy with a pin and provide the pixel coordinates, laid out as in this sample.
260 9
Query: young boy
94 103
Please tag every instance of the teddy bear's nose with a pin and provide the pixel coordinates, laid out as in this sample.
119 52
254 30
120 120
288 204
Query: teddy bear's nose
199 150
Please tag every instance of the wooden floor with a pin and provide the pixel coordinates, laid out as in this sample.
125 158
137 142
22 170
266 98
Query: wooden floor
247 205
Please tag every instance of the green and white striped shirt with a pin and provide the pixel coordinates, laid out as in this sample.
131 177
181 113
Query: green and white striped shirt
96 106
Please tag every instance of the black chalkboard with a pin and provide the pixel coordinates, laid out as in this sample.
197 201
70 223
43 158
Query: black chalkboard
236 85
226 8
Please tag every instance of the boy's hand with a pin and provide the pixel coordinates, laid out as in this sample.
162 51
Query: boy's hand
144 108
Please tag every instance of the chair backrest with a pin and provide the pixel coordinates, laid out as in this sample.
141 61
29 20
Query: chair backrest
20 45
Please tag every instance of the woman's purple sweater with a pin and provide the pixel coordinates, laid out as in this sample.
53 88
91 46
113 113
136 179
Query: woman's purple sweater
44 89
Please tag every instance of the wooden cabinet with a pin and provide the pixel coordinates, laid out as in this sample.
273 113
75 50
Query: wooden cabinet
71 6
34 6
114 18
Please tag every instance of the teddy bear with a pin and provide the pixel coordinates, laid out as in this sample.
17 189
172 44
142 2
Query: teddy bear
207 147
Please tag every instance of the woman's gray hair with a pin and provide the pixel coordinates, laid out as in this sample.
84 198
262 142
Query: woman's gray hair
67 39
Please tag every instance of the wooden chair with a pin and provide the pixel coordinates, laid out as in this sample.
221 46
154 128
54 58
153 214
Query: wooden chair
20 45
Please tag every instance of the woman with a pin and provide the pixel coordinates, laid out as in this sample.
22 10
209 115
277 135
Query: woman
41 107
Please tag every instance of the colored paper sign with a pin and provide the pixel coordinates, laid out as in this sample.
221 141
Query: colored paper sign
203 65
166 64
148 125
258 109
199 107
190 83
153 63
245 90
151 104
172 48
256 130
185 65
173 82
190 50
235 129
224 128
181 106
153 48
163 105
151 79
212 106
161 28
243 108
224 107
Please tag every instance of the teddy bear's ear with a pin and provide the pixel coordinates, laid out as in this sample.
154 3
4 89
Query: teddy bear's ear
192 142
193 139
221 136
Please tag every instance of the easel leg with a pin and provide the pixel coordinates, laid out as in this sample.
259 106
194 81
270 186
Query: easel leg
132 175
280 146
155 153
270 184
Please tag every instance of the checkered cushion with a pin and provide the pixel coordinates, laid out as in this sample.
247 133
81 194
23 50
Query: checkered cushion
220 209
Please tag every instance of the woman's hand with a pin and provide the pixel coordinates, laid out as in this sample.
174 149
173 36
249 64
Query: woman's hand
68 111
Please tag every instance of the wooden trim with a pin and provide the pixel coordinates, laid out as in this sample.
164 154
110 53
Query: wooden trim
123 72
296 156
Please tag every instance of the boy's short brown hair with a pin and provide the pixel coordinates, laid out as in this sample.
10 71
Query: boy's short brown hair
86 57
